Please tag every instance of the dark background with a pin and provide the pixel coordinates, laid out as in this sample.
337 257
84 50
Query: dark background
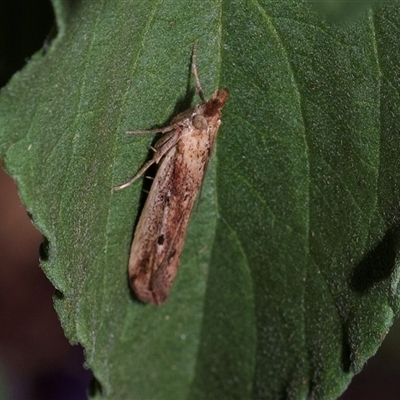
36 360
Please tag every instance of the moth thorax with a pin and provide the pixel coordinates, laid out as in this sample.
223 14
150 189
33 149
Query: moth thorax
199 122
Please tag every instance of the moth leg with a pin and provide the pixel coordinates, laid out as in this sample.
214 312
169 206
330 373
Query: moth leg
157 130
196 75
167 142
166 138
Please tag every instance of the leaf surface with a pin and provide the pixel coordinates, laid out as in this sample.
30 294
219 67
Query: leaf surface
288 280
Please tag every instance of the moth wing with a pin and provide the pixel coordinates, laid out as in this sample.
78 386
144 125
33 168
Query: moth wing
145 246
163 277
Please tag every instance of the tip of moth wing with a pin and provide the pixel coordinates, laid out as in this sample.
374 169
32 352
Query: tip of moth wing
148 295
159 297
141 290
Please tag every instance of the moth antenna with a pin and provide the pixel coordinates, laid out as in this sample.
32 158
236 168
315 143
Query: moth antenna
195 74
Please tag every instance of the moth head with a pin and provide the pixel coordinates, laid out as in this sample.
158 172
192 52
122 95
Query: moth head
214 106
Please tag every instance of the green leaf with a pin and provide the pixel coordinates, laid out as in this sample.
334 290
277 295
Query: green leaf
288 280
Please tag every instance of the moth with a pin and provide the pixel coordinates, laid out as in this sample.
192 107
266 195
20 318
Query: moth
182 155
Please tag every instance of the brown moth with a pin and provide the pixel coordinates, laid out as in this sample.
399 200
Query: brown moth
182 154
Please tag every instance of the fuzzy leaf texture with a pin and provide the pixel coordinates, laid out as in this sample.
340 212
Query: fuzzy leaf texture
289 278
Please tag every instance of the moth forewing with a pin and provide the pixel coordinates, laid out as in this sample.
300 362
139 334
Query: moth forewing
182 155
